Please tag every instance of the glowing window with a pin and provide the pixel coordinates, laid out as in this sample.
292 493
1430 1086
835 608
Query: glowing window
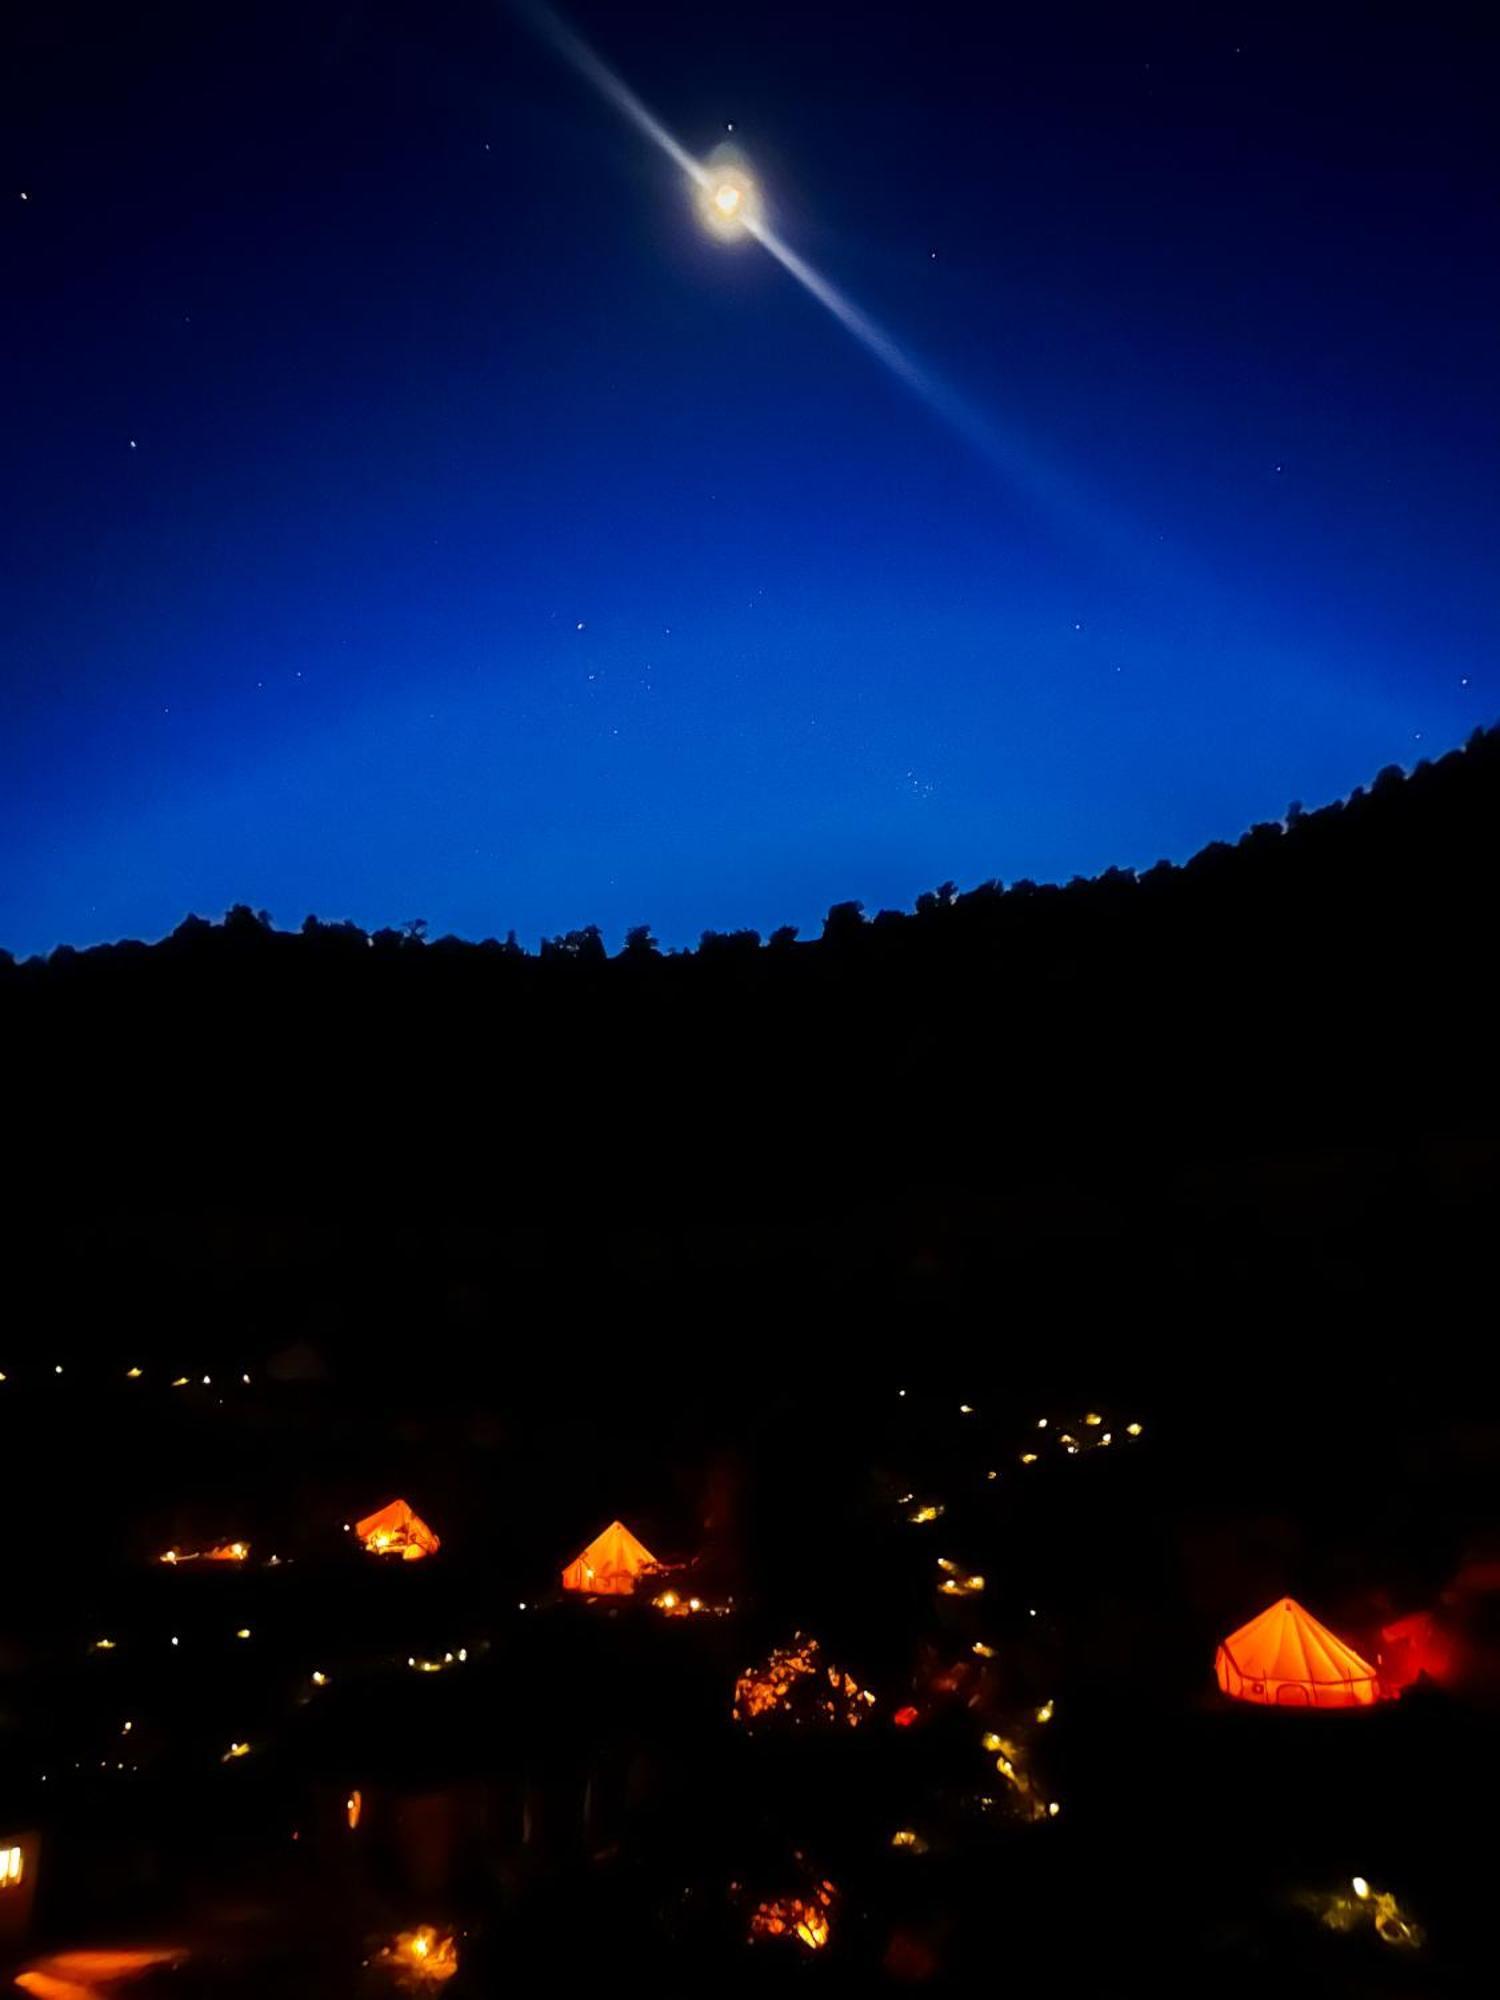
12 1867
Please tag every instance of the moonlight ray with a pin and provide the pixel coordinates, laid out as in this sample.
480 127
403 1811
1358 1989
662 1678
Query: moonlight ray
729 205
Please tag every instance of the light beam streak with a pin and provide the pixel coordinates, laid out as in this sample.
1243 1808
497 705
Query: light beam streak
1021 468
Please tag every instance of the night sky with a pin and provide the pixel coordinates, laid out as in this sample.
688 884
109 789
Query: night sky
411 510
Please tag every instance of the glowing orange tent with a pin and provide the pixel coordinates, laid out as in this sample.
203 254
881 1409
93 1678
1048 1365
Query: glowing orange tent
1286 1659
611 1564
396 1531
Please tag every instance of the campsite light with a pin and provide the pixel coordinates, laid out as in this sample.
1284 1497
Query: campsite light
58 1369
174 1638
922 1514
1028 1458
1041 1423
104 1645
132 1374
234 1751
1093 1417
1044 1713
992 1475
1133 1430
243 1633
990 1741
424 1954
1360 1887
319 1678
982 1650
966 1409
207 1380
1053 1810
906 1837
126 1727
695 1604
180 1382
354 1805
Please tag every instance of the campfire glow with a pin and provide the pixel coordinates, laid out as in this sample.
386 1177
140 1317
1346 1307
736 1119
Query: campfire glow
791 1683
423 1957
804 1918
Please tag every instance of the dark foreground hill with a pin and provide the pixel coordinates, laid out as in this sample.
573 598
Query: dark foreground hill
1267 1075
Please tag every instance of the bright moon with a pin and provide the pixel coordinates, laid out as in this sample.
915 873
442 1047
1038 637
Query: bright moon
728 200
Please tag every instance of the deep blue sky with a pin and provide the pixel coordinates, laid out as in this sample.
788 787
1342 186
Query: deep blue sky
410 510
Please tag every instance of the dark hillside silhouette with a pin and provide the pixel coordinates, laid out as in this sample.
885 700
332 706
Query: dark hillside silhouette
1284 1040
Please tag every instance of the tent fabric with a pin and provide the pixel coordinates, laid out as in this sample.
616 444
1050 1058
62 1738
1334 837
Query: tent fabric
611 1564
1286 1659
396 1530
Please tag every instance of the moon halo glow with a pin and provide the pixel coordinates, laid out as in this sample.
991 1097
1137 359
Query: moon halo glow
728 200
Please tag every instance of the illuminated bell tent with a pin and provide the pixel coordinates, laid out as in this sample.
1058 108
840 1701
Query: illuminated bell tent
1286 1659
611 1565
396 1531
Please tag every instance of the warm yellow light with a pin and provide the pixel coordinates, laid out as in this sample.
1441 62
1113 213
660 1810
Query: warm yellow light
104 1645
1093 1417
243 1633
319 1678
728 202
990 1740
1360 1887
1028 1458
1044 1713
985 1652
354 1805
133 1374
425 1953
235 1750
1053 1810
1134 1430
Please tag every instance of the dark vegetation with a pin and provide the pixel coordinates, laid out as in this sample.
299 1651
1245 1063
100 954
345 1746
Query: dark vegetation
536 1240
1287 1038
